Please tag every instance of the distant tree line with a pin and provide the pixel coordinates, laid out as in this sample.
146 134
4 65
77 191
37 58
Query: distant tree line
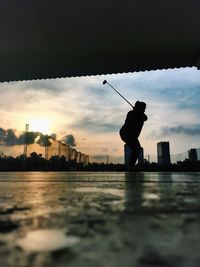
36 162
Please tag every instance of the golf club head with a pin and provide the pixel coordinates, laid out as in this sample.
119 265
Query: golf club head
104 82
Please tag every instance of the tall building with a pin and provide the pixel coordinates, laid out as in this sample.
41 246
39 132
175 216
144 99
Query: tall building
26 139
141 157
192 154
127 153
163 153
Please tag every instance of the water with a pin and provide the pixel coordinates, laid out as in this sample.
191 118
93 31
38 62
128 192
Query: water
106 219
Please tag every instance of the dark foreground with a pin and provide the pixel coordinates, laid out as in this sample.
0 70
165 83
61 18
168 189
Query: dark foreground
99 219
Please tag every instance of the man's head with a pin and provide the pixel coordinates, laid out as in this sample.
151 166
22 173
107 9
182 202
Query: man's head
140 106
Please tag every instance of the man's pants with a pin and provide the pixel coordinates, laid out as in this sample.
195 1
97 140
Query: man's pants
136 148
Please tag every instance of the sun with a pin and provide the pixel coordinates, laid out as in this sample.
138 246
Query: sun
40 125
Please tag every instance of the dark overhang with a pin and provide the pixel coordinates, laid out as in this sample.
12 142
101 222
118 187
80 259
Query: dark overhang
56 38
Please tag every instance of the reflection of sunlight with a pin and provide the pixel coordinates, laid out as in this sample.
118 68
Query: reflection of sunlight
38 240
151 194
112 191
40 125
38 194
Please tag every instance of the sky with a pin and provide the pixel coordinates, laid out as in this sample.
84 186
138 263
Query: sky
91 113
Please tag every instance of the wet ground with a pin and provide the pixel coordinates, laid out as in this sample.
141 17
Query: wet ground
99 219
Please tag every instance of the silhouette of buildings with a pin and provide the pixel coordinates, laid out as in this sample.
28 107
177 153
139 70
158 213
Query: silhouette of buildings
163 153
107 159
26 139
192 154
127 153
141 156
47 147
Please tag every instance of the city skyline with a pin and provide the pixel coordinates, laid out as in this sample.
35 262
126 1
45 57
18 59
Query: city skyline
40 143
93 113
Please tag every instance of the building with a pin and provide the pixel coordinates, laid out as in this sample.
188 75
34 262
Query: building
192 154
127 153
163 153
141 157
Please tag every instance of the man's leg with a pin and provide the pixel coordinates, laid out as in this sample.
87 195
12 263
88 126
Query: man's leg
136 148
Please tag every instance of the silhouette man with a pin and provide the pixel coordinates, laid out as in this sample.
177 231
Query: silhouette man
131 130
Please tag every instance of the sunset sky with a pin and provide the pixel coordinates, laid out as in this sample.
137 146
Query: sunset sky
93 113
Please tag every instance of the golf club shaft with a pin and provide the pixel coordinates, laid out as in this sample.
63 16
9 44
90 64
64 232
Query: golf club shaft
120 94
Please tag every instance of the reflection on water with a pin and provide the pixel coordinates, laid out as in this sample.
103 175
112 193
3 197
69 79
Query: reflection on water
112 191
142 190
116 218
46 240
48 192
169 192
147 195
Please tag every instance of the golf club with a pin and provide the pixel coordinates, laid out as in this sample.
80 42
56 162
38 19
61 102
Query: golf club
104 82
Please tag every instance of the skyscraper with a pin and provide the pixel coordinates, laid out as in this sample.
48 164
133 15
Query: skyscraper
193 154
26 139
141 156
127 153
163 153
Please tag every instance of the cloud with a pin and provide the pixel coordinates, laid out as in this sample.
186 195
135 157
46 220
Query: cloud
44 140
9 138
69 140
167 131
105 149
115 149
87 108
97 124
2 134
53 136
178 86
99 158
28 138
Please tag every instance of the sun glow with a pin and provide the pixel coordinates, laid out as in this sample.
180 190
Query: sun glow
40 125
